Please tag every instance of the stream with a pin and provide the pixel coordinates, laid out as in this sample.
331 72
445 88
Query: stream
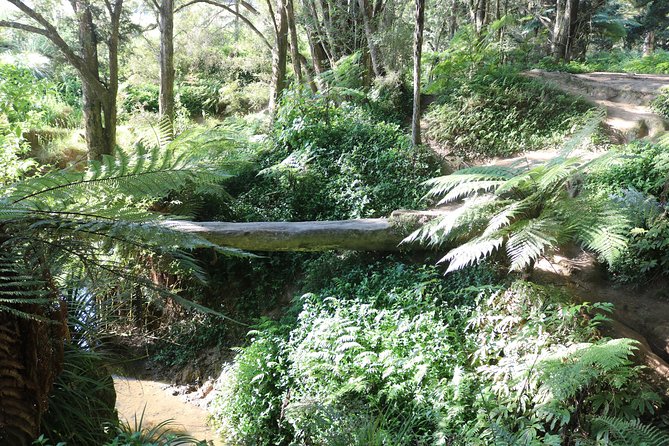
161 401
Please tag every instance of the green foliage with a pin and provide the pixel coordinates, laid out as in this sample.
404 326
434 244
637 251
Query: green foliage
542 373
250 407
32 101
330 162
525 211
393 354
82 401
144 96
637 181
162 434
641 165
660 104
499 113
615 61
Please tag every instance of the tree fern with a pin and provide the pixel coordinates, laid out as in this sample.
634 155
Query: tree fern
94 221
525 211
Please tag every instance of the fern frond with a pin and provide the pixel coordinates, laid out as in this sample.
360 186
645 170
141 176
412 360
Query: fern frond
468 218
143 175
528 240
471 253
622 432
599 225
166 132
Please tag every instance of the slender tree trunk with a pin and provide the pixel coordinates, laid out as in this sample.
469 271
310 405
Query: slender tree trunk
565 20
649 43
417 55
480 16
369 34
166 24
96 111
279 56
294 47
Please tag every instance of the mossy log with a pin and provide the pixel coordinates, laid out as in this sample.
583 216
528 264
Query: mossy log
371 234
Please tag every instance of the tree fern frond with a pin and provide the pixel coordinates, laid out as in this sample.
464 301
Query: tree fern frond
582 134
442 185
471 253
151 174
512 211
556 174
469 188
599 225
166 132
528 240
443 229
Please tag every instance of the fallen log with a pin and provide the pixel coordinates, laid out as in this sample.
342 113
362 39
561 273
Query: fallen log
371 234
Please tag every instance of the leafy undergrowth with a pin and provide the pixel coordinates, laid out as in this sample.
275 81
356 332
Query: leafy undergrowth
500 113
329 161
396 354
613 61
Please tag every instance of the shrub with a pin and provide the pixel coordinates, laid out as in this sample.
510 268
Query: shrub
500 114
329 162
660 104
396 354
249 408
641 165
144 97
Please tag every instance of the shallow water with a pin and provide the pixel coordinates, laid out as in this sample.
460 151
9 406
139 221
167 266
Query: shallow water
157 401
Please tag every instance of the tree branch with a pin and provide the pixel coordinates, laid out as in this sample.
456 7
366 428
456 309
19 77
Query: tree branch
231 11
23 27
51 33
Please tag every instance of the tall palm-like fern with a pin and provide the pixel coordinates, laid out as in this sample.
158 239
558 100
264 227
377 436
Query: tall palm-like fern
74 220
523 211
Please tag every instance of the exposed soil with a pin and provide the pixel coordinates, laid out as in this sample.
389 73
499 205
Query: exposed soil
625 97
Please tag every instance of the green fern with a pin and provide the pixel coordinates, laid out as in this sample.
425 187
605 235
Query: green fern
526 212
611 431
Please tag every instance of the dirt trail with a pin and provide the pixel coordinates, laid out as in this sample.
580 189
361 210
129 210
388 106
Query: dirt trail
625 97
160 402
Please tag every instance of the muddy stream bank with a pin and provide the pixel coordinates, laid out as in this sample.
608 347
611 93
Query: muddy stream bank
160 401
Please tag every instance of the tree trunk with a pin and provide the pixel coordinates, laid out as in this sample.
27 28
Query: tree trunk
31 356
294 47
166 24
417 54
93 100
279 56
565 21
649 43
480 15
369 34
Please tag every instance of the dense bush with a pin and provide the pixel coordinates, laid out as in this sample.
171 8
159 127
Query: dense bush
393 354
324 161
660 104
32 102
642 165
500 113
638 181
